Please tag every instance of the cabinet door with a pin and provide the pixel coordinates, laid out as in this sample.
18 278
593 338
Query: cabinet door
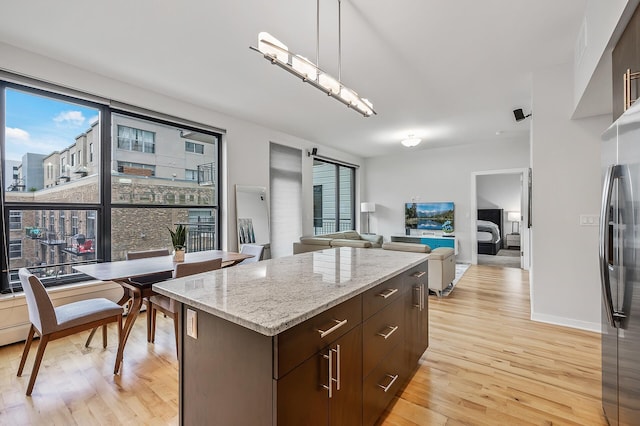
345 405
416 323
303 394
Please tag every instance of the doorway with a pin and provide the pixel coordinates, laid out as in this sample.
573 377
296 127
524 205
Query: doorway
499 206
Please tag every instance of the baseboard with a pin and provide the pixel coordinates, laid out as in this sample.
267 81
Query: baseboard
14 316
567 322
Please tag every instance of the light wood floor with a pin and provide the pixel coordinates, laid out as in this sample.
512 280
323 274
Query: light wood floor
487 364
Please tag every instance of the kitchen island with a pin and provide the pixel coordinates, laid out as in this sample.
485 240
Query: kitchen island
325 337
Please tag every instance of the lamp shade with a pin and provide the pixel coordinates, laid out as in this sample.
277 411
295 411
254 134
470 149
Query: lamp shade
513 216
367 207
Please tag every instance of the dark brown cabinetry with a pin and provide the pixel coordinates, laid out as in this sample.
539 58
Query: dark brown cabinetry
626 56
416 316
342 366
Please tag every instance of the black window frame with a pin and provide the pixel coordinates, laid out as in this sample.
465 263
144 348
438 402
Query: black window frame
104 205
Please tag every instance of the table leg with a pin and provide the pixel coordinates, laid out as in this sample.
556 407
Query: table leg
123 300
128 325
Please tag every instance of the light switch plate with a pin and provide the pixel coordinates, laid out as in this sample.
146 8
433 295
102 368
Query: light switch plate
192 323
589 219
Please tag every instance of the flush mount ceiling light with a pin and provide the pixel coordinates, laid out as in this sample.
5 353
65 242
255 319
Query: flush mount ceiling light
411 141
279 54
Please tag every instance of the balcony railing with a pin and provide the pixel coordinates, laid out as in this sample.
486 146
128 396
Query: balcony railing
201 236
329 226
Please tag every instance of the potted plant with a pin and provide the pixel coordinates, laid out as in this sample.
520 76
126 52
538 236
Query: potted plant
178 239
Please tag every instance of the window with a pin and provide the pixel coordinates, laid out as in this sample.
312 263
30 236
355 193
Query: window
194 147
334 205
57 215
15 249
285 180
15 220
191 175
131 139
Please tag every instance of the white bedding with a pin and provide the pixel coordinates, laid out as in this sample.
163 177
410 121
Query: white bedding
485 237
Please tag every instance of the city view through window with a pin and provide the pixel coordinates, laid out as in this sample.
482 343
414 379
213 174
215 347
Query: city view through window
73 195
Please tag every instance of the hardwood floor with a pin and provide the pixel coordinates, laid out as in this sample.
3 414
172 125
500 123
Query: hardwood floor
487 364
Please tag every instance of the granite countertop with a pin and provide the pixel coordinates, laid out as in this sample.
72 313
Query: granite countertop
272 296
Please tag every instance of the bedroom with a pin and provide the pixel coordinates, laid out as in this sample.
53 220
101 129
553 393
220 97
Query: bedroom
499 201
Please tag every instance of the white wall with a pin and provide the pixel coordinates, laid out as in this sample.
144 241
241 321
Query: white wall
245 146
566 183
440 174
500 191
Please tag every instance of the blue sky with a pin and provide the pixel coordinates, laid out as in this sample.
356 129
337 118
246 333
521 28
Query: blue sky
42 125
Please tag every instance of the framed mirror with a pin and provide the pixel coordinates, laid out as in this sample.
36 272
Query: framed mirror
252 216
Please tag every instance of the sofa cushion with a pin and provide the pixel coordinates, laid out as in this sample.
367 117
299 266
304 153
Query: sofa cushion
417 248
441 253
376 240
316 241
345 242
344 235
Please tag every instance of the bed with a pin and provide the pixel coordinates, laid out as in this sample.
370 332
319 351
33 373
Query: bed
489 231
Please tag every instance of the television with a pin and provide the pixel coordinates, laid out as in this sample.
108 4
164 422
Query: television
429 217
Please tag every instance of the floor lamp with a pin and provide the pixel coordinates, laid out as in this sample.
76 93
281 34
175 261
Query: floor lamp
368 208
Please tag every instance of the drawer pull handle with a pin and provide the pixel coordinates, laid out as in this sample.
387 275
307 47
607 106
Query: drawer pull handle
420 290
393 380
418 274
324 333
393 330
388 292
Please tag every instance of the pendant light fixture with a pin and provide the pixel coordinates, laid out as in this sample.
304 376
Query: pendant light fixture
279 54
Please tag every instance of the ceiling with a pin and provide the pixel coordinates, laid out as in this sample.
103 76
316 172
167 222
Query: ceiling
450 72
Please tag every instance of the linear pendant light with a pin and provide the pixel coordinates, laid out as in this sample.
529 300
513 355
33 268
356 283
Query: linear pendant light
279 54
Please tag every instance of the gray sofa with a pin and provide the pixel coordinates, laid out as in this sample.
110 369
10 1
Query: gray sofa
337 239
442 261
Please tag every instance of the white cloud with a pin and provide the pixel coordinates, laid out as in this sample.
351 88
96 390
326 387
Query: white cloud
16 134
70 118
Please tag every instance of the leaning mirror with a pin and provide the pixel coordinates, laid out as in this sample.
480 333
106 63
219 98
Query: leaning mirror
252 213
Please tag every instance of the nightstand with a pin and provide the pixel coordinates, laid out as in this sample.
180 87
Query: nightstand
513 240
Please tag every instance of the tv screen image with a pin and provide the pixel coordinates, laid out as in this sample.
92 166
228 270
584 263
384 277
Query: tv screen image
429 216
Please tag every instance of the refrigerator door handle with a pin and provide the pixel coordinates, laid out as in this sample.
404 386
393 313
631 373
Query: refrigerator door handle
613 172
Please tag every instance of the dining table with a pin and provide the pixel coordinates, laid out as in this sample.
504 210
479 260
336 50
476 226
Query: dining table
125 272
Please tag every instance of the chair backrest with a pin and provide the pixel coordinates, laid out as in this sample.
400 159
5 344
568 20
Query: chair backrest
42 314
147 253
253 249
191 268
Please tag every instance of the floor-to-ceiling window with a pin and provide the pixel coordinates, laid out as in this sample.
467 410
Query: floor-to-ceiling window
333 197
83 183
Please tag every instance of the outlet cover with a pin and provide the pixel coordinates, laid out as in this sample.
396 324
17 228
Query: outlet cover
192 323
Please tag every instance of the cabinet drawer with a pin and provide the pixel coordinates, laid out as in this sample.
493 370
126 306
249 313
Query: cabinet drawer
381 295
382 385
381 333
297 344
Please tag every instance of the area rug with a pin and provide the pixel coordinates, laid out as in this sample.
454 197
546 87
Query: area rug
510 253
461 268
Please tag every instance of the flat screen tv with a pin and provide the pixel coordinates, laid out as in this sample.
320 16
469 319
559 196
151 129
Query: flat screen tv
429 216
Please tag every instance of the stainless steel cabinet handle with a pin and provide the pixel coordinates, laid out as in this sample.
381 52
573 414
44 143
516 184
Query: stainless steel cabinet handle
387 387
418 274
422 297
419 304
339 324
613 172
337 351
393 330
329 387
388 292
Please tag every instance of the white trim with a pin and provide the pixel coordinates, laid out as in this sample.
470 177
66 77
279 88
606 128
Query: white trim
14 316
567 322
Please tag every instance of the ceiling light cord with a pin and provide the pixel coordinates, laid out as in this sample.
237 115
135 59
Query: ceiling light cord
340 41
318 33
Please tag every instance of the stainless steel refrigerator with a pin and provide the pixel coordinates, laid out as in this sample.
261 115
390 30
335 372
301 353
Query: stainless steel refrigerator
620 269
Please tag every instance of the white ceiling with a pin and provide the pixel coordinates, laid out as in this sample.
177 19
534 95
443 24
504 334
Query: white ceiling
449 71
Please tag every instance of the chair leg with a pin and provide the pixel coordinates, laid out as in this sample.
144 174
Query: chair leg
154 320
115 371
44 339
149 321
27 346
104 336
175 332
88 342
